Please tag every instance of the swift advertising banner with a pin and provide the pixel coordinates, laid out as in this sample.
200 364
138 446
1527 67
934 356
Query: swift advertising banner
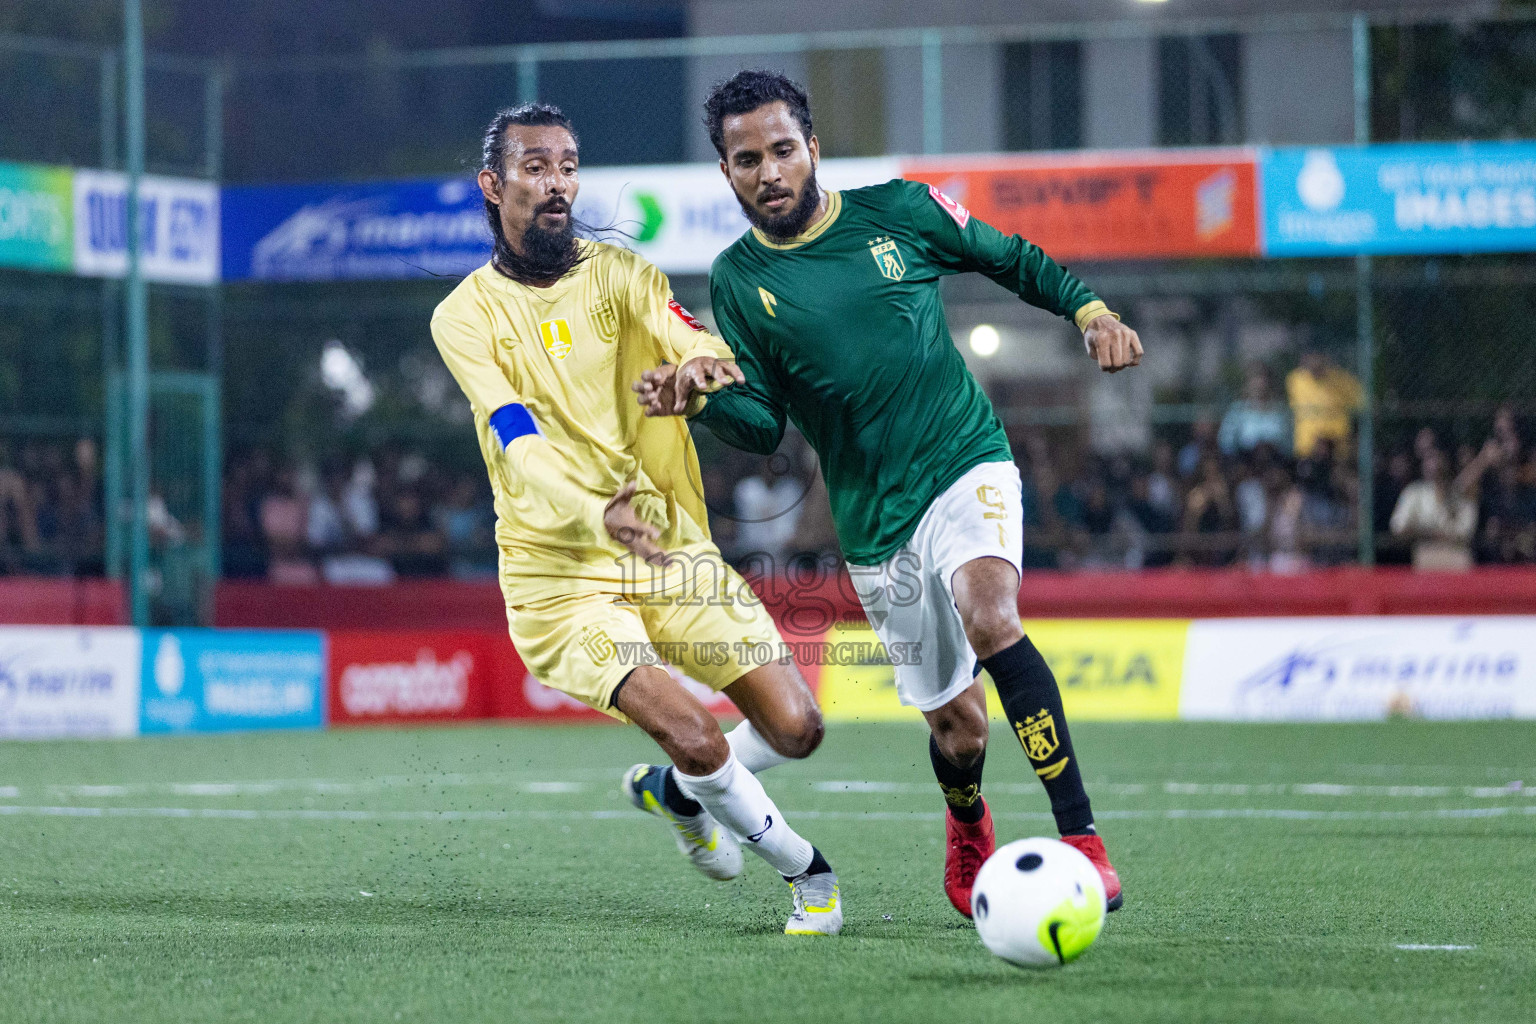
36 217
1110 206
1410 198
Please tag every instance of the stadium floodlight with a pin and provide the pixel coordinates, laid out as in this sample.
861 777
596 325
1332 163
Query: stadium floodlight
985 341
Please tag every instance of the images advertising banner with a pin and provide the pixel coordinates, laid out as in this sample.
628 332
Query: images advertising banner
178 223
1410 198
226 680
1360 669
1109 205
1108 670
36 217
59 681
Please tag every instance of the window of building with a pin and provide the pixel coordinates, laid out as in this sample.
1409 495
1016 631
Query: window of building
1200 100
1043 95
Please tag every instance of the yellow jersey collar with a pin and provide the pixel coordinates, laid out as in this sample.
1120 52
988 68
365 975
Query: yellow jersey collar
810 234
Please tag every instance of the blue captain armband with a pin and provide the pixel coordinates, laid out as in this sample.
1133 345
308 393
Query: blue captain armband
511 422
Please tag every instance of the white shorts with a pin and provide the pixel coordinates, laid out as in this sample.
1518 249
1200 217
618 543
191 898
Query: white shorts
910 598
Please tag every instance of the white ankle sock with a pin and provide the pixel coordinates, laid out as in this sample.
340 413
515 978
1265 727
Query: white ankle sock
752 750
739 802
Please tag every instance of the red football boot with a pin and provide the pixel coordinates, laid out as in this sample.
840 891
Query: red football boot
968 848
1092 847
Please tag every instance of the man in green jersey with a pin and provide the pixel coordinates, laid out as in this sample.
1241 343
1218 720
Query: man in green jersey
832 305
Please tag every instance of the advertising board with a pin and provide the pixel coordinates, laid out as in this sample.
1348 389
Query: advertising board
58 681
226 680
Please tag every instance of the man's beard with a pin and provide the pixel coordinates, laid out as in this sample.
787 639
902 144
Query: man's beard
791 222
545 255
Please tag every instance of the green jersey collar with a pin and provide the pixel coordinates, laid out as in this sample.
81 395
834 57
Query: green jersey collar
810 234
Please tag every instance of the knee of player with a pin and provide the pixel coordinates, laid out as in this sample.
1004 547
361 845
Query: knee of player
697 747
991 628
803 737
963 745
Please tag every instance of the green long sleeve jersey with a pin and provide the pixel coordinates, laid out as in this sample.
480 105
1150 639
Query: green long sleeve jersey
842 330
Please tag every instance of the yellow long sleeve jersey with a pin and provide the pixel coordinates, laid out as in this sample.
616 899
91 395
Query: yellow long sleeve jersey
548 372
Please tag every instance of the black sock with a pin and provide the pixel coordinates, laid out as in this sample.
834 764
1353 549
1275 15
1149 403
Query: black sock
678 802
961 786
1033 703
818 866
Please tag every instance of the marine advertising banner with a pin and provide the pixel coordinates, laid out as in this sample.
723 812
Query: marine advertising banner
678 216
178 225
1409 198
227 680
1358 669
58 681
36 217
1109 205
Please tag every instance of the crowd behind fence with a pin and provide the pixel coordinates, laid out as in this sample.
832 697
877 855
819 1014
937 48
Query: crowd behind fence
1236 493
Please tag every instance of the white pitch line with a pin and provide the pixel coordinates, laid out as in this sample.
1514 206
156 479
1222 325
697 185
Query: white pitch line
1322 789
316 814
1415 946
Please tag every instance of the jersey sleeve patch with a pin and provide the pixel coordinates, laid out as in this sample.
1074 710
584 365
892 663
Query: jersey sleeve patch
959 214
683 315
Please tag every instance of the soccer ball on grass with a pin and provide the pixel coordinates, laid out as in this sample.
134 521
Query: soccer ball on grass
1038 903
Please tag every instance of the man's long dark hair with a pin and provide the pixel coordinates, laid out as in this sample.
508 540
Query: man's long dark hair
545 256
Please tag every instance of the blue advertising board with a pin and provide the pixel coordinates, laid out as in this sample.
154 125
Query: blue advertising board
366 231
207 680
1409 198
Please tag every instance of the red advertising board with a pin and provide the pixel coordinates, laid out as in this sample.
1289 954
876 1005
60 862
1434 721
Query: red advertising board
380 676
1109 206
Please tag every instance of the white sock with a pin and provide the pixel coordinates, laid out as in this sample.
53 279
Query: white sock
739 802
752 750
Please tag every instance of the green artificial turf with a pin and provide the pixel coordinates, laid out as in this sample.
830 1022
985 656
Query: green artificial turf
493 874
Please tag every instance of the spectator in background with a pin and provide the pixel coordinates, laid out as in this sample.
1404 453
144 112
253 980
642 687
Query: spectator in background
1436 517
1323 398
767 508
1390 484
1163 493
1209 511
18 519
1202 442
463 516
283 517
1256 418
407 538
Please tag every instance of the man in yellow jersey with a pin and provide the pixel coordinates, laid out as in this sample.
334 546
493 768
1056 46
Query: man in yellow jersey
606 562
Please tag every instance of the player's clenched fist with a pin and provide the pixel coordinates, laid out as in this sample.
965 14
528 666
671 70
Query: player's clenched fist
1112 343
666 390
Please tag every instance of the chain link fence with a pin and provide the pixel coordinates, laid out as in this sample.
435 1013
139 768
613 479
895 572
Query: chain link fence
347 452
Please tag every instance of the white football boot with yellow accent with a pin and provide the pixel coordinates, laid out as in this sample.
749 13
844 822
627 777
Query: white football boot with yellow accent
818 906
712 849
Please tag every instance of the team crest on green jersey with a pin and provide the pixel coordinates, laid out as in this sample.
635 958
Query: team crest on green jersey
888 258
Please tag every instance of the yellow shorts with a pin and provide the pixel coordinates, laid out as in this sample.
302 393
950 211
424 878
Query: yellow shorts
708 624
